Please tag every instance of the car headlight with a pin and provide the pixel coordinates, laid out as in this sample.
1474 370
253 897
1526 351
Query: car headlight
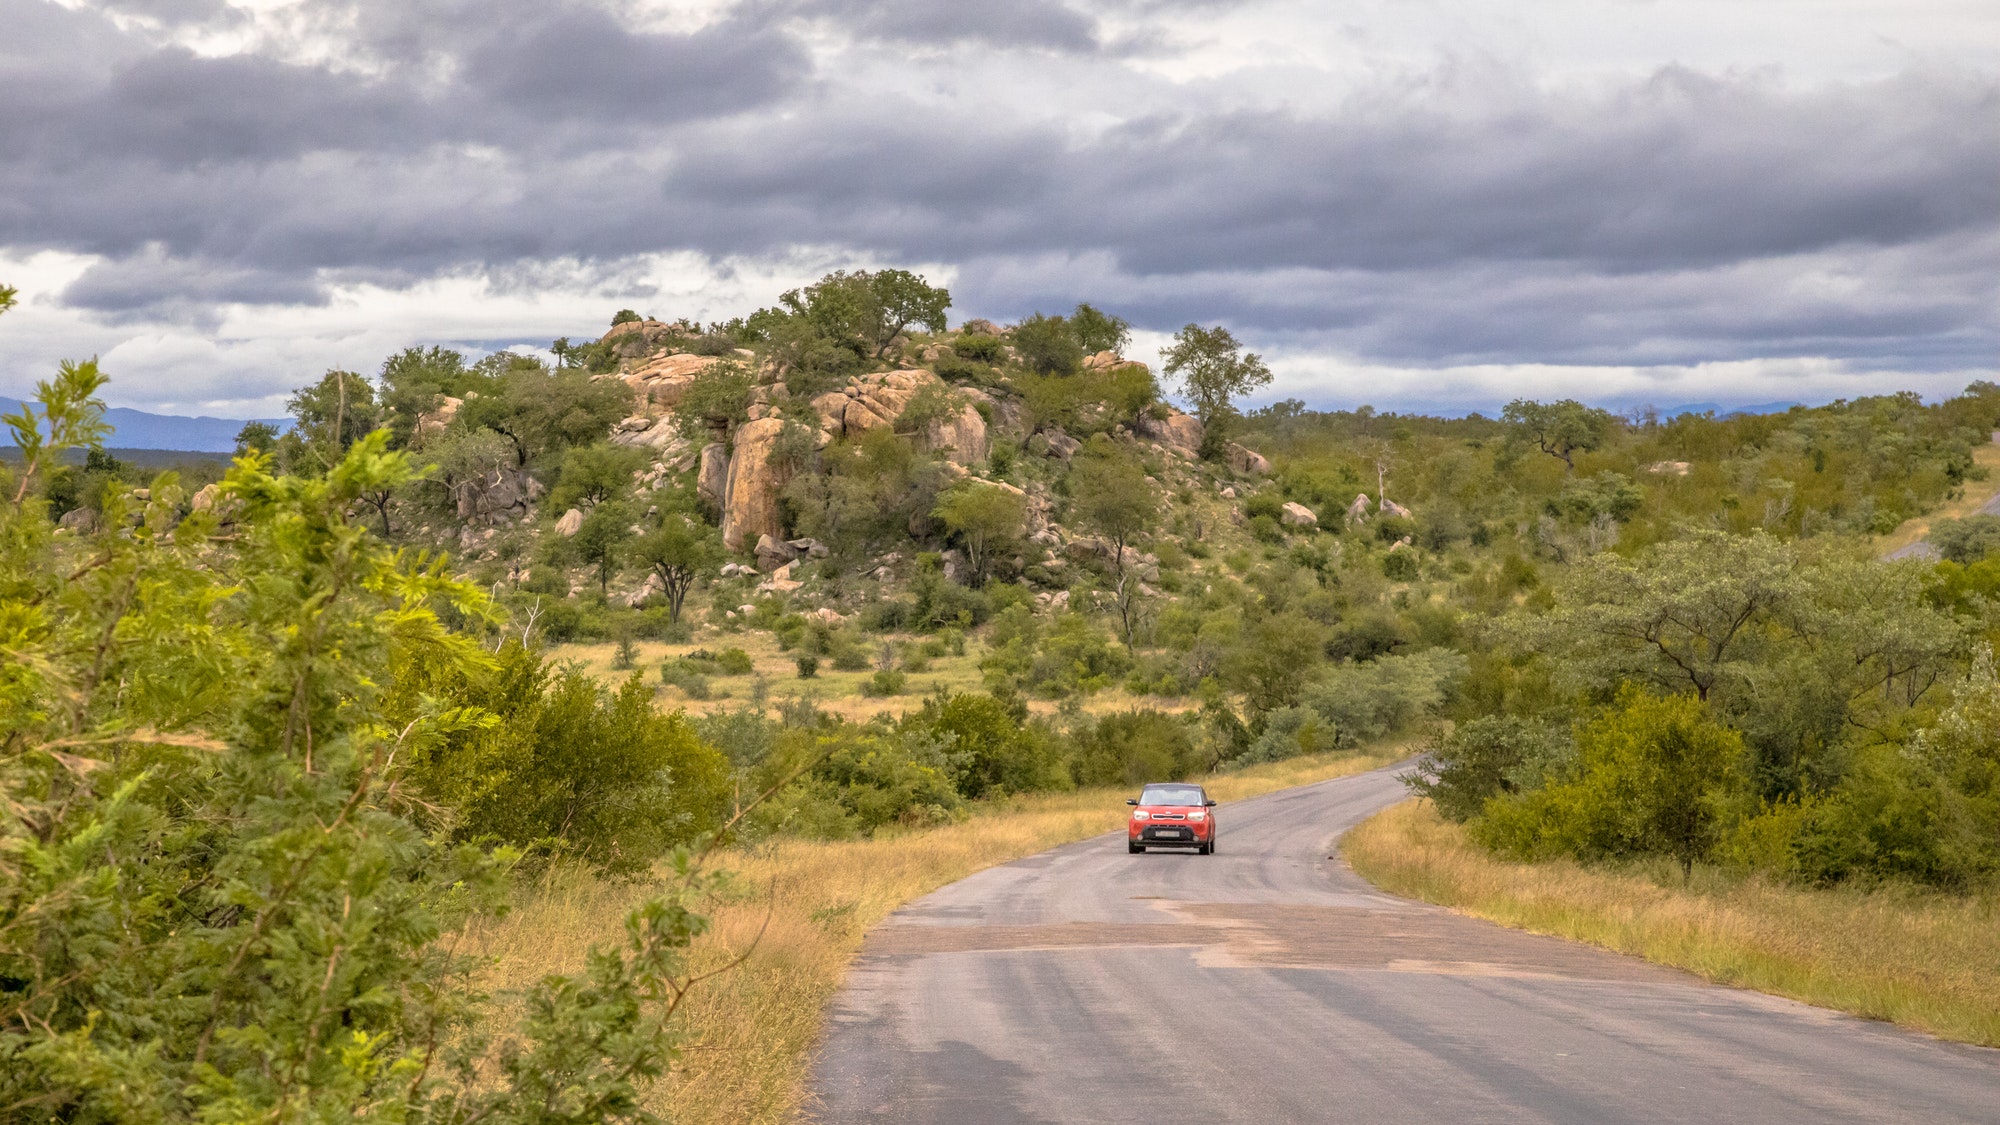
1140 815
1198 814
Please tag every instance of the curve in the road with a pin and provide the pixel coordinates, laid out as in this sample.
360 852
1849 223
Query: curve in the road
1267 983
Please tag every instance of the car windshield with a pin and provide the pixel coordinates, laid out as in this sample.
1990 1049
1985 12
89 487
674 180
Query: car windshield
1171 795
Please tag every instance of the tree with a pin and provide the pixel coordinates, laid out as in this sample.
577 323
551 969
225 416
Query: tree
414 383
1210 369
1789 649
593 474
623 316
716 400
902 299
329 417
1110 496
600 542
986 518
1047 345
1096 331
1559 429
679 551
542 412
256 437
863 311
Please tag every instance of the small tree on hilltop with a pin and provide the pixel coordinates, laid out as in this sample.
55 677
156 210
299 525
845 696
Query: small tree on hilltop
1097 331
1047 345
1209 369
902 299
1559 429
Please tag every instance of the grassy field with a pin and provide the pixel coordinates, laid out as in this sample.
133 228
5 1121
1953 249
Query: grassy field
1923 960
751 1029
835 692
1975 496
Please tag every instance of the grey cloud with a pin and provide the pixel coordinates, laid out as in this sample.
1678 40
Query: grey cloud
1430 222
1045 24
578 62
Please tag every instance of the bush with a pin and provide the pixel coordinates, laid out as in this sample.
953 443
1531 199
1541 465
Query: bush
1968 540
973 345
864 777
1484 758
998 751
1650 777
807 664
1365 702
571 763
1288 733
1134 747
1400 566
883 684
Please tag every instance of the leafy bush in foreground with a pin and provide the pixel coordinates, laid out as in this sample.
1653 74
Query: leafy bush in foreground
217 905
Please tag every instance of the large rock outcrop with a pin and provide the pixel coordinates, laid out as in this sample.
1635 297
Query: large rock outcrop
1177 433
874 401
658 383
750 491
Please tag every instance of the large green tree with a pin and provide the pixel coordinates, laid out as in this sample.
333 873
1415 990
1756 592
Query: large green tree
1560 429
1210 370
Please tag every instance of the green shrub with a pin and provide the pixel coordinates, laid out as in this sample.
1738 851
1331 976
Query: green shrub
1365 702
848 653
973 345
998 751
1135 747
1486 757
884 683
807 664
1400 566
1651 776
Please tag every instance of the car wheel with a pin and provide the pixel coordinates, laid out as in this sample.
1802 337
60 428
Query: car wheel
1134 849
1203 849
1214 842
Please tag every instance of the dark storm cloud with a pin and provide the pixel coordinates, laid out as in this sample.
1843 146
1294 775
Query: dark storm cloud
1432 222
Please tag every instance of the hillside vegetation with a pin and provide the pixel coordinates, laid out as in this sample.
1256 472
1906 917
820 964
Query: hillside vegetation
282 738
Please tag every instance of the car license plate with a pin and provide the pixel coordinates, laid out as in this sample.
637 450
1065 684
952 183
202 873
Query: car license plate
1175 832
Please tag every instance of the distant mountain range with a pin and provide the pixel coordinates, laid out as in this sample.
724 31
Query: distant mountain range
1725 411
136 429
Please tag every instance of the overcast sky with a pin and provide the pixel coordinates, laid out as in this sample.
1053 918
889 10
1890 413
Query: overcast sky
1418 204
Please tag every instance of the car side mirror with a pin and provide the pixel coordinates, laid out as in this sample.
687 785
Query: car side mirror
1208 804
1131 800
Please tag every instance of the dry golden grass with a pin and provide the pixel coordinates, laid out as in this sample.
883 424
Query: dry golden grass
1922 960
750 1029
1975 496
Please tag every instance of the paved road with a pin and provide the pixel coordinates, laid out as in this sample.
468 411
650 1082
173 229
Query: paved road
1268 984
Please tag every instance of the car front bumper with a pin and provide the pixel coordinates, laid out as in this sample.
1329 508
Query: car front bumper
1166 835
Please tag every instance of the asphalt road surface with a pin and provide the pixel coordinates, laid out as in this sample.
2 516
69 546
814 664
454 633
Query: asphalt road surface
1268 984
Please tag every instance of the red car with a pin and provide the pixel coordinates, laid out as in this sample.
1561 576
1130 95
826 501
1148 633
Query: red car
1171 814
